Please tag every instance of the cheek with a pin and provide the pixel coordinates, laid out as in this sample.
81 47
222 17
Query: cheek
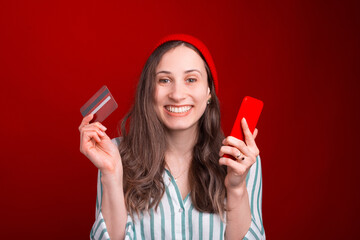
158 102
156 107
202 96
157 96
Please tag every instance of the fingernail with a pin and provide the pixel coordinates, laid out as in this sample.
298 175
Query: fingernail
102 133
244 120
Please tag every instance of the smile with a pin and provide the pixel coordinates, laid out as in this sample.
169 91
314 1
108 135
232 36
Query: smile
175 109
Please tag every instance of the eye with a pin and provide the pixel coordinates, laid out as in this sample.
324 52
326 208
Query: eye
191 80
164 80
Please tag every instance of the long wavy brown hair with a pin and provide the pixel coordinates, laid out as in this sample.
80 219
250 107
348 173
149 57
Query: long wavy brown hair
143 147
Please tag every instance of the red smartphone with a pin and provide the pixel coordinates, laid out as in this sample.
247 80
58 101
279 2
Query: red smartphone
250 109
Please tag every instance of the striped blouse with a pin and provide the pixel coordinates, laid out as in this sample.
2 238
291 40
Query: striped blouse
176 218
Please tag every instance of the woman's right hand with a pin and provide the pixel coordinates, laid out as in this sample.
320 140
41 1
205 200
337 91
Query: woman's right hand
96 145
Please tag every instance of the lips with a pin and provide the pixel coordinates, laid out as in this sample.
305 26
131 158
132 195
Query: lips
178 109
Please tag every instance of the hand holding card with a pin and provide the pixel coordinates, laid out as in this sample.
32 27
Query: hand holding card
95 144
102 104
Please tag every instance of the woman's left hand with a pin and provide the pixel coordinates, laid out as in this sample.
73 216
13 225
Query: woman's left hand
245 154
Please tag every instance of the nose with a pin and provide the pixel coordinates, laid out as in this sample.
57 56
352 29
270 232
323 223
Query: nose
178 91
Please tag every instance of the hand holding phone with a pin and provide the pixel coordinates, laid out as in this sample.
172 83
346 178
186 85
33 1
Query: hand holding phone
250 109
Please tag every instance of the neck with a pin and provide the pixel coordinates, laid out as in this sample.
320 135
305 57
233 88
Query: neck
180 145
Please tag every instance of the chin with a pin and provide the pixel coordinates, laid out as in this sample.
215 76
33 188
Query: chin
179 127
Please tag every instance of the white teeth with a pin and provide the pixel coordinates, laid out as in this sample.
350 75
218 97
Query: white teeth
178 109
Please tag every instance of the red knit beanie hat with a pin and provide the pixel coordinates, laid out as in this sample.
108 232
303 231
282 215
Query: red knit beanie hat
200 46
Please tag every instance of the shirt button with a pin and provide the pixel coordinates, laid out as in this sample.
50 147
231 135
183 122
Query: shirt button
180 209
170 179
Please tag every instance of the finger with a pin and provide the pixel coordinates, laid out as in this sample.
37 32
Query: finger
237 143
225 151
237 167
95 128
249 139
86 120
255 133
102 134
95 125
102 127
89 135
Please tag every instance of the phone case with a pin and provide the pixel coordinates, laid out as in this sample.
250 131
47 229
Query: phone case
250 109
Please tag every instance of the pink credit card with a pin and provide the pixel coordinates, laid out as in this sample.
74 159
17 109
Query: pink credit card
102 104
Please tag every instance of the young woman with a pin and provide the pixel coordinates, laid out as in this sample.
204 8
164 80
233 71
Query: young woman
167 176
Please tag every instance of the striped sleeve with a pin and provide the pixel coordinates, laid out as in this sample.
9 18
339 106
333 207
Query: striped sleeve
254 188
98 230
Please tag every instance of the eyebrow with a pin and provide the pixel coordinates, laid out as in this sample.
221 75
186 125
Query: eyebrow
187 71
193 70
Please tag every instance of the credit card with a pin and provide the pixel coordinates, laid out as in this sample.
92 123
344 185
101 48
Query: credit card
102 104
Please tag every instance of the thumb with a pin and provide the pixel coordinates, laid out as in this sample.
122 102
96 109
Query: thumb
255 133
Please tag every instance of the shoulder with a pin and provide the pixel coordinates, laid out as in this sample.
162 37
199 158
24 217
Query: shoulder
116 141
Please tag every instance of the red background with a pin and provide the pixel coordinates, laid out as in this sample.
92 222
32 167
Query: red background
300 57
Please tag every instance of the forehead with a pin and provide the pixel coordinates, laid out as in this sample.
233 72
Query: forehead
181 58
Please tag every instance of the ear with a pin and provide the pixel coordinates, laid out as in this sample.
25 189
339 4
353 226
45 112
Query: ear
209 94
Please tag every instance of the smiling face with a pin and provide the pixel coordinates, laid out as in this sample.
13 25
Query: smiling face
181 88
